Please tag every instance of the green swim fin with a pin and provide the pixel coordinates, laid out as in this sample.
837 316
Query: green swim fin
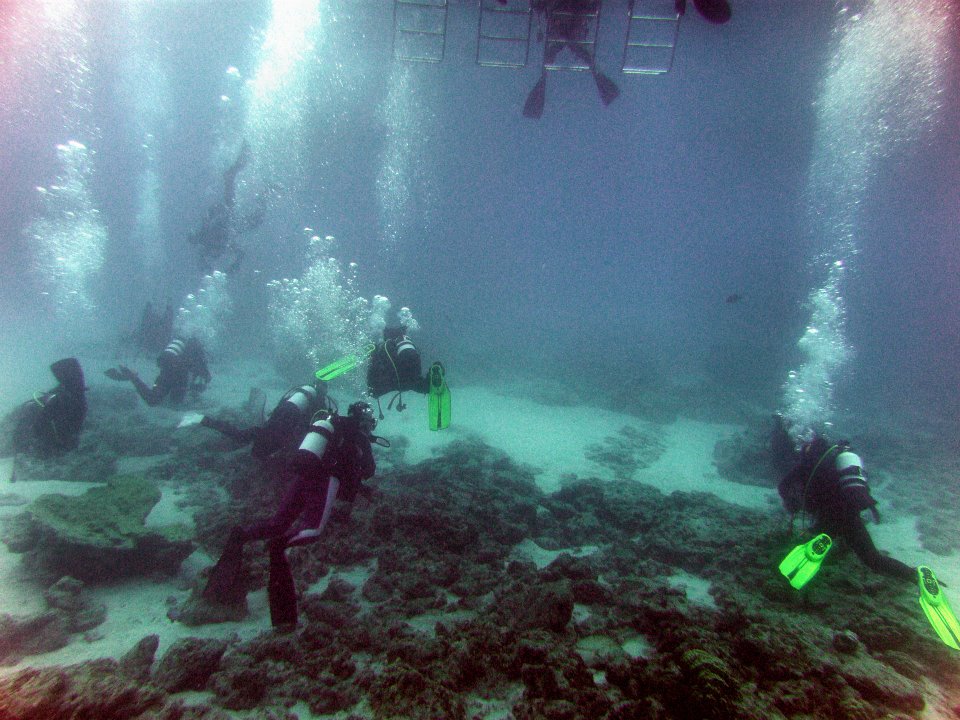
803 562
439 399
937 609
343 365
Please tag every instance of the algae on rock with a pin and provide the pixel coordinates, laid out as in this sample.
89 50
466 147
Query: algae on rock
99 535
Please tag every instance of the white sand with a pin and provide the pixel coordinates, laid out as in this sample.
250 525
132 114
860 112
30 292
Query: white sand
552 440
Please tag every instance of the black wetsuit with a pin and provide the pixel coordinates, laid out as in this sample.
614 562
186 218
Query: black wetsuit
332 462
395 367
51 422
183 366
816 486
285 427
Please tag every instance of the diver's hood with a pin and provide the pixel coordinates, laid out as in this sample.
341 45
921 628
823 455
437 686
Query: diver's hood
69 374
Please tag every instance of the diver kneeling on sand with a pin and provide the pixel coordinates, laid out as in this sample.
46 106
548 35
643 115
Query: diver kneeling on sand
334 459
395 367
827 481
50 423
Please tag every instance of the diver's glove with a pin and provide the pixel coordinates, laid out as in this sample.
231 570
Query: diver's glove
120 374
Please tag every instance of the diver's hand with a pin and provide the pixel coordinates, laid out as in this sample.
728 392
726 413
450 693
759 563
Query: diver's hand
120 374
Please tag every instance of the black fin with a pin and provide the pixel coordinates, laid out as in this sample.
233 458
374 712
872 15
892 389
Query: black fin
606 87
281 591
533 107
226 584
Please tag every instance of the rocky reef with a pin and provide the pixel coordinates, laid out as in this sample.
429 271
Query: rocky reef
458 589
69 611
630 449
98 536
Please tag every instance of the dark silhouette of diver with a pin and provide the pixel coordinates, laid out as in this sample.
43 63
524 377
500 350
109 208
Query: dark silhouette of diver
50 423
395 367
183 369
826 481
217 235
331 464
155 329
568 25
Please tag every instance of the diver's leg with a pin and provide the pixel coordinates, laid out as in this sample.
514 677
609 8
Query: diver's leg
856 533
230 176
298 492
241 435
225 584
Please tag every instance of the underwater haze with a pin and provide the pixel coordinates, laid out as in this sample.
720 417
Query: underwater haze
623 291
596 244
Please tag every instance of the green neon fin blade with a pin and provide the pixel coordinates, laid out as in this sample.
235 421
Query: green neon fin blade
336 369
937 609
803 562
794 559
439 402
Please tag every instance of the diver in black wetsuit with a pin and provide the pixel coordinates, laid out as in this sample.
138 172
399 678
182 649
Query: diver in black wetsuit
334 459
287 424
217 235
827 481
395 367
50 424
183 368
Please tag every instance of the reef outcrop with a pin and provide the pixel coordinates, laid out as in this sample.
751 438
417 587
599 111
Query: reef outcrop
98 536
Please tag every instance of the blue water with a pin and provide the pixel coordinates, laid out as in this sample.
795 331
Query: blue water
595 245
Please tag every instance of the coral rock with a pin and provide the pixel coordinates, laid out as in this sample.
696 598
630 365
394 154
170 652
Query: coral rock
188 664
100 535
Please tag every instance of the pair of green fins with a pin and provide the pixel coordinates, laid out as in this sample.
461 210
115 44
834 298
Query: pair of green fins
803 562
438 399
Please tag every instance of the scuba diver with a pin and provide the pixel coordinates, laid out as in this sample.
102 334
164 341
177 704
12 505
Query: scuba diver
288 422
217 235
183 368
395 367
333 460
827 482
51 422
568 26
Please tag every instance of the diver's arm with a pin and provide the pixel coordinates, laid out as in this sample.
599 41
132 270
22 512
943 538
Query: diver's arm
151 395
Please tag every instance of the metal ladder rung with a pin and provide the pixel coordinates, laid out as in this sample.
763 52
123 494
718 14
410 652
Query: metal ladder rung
652 29
413 37
592 20
507 43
